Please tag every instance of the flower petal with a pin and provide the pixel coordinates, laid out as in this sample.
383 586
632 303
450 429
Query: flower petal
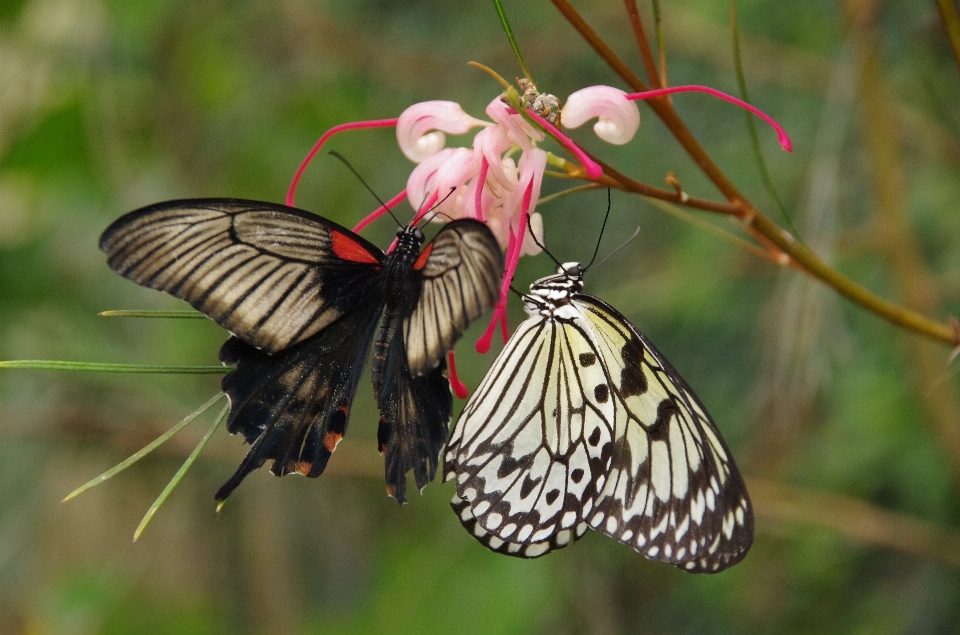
619 118
420 127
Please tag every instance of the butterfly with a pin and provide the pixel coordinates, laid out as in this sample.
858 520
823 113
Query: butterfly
582 423
302 298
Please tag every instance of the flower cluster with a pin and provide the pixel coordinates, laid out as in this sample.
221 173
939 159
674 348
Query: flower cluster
497 181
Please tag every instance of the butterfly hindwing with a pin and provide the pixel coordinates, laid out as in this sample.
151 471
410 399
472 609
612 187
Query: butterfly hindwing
533 440
293 407
558 540
271 275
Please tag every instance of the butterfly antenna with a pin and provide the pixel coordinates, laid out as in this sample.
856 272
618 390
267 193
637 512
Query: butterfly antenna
599 238
607 257
539 244
436 212
343 160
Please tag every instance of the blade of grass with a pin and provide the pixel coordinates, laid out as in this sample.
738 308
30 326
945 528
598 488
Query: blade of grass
153 314
752 126
180 474
45 364
147 449
661 52
505 23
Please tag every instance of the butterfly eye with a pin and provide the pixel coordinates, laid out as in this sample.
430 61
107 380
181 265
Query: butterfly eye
573 270
401 231
418 235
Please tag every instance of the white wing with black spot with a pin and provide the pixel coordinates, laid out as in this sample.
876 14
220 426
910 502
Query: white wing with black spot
673 491
581 420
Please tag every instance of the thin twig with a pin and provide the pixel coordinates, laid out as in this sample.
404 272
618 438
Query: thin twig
753 219
855 519
648 62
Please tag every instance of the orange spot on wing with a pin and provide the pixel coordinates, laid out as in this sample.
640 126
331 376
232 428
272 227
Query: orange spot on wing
422 260
331 440
303 467
349 249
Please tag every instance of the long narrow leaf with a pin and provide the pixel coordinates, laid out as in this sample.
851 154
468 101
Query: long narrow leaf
505 23
180 474
147 449
47 364
153 314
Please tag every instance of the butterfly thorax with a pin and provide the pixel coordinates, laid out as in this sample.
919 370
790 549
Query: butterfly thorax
548 296
400 281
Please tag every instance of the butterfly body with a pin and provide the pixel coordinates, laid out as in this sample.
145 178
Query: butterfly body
581 423
304 300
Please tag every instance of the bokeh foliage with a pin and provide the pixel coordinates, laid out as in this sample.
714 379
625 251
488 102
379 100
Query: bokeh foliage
833 415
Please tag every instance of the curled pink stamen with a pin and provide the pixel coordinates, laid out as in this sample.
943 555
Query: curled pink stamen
593 169
375 123
459 388
380 211
782 136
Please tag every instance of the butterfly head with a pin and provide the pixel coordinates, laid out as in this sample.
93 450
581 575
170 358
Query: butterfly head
553 292
409 239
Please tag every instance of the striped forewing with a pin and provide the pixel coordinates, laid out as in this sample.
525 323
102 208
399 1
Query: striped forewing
262 271
673 491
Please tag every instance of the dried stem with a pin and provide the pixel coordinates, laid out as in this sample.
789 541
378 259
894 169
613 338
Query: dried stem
855 519
648 62
754 221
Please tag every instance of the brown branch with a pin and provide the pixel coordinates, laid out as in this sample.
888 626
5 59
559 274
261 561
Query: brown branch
754 220
951 25
855 519
642 43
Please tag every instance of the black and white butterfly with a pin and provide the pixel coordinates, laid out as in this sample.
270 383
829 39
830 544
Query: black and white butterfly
302 297
582 423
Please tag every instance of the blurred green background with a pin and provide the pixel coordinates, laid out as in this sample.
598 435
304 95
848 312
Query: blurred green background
846 427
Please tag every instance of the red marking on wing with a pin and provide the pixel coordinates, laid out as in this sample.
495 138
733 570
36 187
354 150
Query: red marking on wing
331 440
303 467
349 249
422 260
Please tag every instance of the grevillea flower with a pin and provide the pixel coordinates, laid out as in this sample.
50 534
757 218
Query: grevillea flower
498 180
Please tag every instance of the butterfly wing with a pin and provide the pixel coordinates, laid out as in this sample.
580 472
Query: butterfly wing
532 443
272 275
414 413
673 491
452 281
293 406
461 271
558 540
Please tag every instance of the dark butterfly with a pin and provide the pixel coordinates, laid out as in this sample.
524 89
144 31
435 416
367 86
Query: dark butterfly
302 297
